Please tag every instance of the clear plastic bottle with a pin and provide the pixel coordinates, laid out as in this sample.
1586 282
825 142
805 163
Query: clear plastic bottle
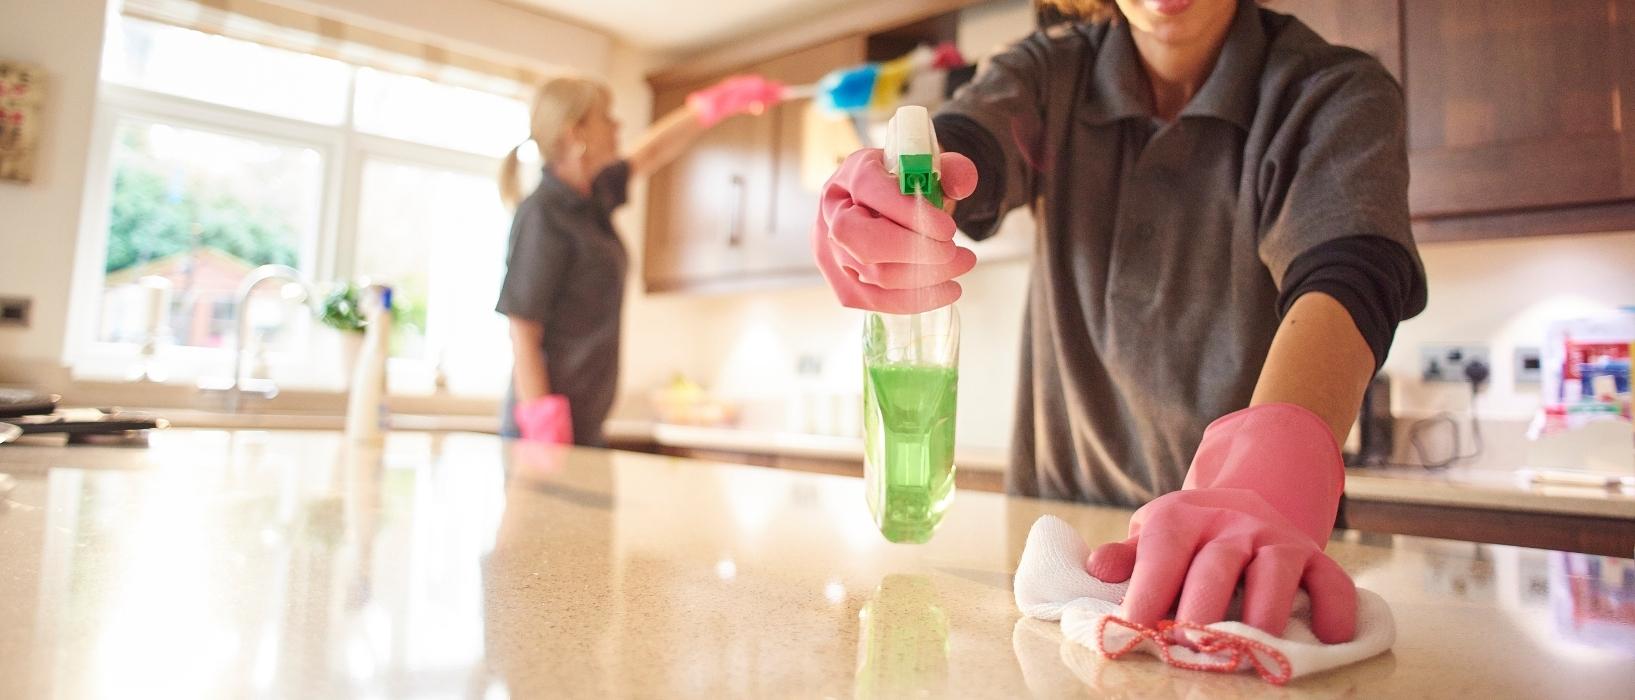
910 372
910 393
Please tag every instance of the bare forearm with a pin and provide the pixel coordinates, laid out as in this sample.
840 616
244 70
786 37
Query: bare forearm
666 139
528 370
1319 361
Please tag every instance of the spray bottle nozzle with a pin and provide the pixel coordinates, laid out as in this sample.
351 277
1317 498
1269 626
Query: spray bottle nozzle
916 174
911 154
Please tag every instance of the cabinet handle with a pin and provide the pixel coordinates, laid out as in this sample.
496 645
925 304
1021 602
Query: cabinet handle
735 234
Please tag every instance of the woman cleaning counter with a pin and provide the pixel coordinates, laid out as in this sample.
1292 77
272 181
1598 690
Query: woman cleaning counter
231 563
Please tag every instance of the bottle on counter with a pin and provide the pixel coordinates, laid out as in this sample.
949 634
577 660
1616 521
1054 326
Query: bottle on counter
910 374
366 412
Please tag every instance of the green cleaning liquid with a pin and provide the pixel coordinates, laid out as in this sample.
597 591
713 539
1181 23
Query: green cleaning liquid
909 434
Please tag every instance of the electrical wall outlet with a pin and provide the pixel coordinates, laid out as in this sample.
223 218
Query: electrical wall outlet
1529 365
14 311
1445 362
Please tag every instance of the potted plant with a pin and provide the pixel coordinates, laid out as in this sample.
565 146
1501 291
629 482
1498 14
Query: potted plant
339 310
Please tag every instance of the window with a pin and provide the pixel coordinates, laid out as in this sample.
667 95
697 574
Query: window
202 209
416 109
224 155
224 71
438 236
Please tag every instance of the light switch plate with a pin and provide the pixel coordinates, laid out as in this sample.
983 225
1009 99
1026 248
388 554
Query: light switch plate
1529 365
14 311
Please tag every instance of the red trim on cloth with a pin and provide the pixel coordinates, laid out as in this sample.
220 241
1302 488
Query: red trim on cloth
1231 649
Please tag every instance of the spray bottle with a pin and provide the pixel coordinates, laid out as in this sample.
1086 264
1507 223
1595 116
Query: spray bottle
911 373
366 405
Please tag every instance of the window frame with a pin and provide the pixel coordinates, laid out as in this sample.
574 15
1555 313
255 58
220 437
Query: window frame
328 255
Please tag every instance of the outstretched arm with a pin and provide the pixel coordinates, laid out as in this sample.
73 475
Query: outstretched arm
668 137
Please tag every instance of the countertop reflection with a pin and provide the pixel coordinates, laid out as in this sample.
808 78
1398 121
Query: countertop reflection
447 564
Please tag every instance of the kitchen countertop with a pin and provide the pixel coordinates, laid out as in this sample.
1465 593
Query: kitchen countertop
1486 488
1456 487
220 563
780 442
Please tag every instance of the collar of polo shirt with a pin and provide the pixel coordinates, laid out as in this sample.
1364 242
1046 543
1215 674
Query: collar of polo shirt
1119 91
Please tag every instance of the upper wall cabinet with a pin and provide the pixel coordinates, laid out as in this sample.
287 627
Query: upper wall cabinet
1520 119
1374 26
737 208
1519 104
1519 111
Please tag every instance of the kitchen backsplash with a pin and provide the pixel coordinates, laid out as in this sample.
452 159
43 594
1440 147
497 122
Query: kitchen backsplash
1501 293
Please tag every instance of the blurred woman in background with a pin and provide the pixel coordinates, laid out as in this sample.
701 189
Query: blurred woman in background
565 272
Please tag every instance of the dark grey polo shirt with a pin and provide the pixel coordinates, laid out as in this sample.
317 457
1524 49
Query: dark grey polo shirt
1163 249
566 270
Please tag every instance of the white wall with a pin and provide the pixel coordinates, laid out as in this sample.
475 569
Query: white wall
39 222
1504 293
658 330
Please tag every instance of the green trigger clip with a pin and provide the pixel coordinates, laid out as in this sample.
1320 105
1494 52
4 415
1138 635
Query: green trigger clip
916 174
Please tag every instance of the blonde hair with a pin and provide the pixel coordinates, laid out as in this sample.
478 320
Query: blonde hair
1089 10
559 104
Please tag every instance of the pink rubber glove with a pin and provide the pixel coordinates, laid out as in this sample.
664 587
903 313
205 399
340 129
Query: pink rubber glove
882 250
545 419
1258 503
739 94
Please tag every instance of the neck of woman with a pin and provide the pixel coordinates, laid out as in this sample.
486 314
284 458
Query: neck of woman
1175 71
572 172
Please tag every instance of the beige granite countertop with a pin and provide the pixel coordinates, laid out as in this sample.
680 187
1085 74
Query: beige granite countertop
1486 488
752 439
781 442
282 564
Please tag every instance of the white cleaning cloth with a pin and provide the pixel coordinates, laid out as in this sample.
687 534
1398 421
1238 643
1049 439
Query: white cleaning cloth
1052 584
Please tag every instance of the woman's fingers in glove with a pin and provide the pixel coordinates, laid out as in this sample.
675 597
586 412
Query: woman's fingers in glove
862 181
958 175
1269 584
1113 562
1333 600
874 239
909 275
1161 561
1211 581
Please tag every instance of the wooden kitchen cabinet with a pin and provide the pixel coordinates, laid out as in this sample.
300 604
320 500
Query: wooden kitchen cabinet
1519 112
703 206
734 211
1374 26
1519 123
787 249
1520 105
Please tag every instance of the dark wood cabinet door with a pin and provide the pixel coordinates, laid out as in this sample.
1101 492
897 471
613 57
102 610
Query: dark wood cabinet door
1374 26
806 152
1517 105
706 206
735 210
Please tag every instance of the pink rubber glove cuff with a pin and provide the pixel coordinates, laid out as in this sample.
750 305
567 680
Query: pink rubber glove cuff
880 250
545 419
738 94
1281 451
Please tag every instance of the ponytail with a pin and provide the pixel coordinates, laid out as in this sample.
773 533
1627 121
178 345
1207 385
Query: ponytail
511 178
558 105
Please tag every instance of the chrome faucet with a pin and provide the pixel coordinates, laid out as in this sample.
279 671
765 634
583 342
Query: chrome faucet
235 389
